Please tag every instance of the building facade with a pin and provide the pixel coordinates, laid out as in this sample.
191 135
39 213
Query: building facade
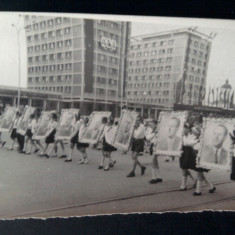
82 59
166 69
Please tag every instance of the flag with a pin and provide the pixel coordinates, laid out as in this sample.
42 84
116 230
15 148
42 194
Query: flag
213 96
231 100
208 98
217 97
225 97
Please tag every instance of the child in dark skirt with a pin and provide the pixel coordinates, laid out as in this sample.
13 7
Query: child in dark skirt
80 145
188 157
50 136
137 147
74 138
108 138
13 130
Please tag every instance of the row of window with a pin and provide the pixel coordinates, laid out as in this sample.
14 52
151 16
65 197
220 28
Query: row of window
152 44
101 91
49 23
198 62
150 77
159 101
108 24
103 69
66 89
200 54
104 58
152 69
166 92
151 61
51 57
151 53
152 85
65 78
45 68
103 80
198 44
52 45
50 34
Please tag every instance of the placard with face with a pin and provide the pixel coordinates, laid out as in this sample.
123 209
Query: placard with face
125 129
67 123
170 133
94 127
23 125
216 144
7 118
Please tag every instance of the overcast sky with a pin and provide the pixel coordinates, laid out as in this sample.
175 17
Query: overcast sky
222 57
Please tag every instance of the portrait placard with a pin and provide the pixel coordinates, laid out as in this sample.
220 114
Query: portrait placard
43 123
170 133
125 129
7 118
23 125
66 123
216 144
94 127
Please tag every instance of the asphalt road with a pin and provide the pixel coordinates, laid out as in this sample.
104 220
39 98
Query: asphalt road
31 186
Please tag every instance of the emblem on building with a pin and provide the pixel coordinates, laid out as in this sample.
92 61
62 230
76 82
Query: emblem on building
108 44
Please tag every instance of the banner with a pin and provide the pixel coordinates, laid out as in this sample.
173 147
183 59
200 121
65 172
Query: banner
42 125
125 129
23 125
94 127
7 118
66 123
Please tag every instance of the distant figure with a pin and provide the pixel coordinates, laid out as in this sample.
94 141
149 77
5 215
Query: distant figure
172 142
215 153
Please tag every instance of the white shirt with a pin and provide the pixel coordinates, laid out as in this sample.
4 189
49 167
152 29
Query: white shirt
109 134
82 130
139 133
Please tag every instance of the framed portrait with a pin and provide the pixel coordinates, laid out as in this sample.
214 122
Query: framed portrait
95 127
170 133
216 144
23 125
42 125
125 129
66 123
7 118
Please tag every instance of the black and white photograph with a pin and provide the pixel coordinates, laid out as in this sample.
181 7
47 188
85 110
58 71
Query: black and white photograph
170 133
112 114
67 122
7 118
42 125
95 127
216 144
125 129
23 123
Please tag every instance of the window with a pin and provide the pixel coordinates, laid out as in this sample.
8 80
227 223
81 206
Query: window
67 30
170 50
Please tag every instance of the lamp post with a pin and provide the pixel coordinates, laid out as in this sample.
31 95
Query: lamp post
18 29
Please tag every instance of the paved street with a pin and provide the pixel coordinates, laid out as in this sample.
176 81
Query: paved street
31 186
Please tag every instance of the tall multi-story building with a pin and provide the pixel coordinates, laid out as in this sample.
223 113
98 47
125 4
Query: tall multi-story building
166 69
83 59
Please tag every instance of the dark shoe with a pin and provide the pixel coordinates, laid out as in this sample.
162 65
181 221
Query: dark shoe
154 181
212 190
111 165
46 155
63 156
183 189
131 174
68 160
3 143
21 151
36 150
167 160
100 167
143 168
197 194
